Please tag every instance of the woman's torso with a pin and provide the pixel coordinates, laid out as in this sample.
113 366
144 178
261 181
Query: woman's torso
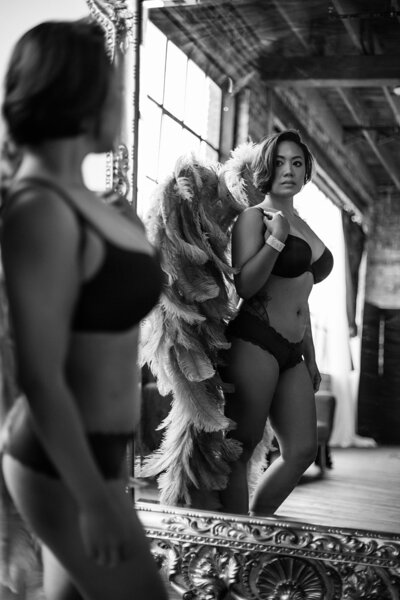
120 283
283 300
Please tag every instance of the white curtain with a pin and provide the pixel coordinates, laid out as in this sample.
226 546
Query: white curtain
336 354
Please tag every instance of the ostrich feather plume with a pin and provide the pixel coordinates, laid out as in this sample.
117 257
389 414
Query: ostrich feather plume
189 221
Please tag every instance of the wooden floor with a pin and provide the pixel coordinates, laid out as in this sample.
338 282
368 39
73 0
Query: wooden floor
361 491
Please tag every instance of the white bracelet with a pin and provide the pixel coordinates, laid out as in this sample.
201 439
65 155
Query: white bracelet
275 243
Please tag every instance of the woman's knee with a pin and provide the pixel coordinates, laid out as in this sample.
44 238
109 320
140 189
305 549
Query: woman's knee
301 455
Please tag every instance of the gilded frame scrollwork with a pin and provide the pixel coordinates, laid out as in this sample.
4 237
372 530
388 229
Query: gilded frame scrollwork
209 556
121 21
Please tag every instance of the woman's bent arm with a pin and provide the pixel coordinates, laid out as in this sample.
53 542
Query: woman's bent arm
40 242
250 254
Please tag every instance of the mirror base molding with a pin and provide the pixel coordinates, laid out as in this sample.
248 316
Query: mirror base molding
206 556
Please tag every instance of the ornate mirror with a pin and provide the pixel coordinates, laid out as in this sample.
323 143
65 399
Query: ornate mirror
210 555
295 555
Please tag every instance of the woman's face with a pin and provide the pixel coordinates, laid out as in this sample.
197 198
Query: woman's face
290 170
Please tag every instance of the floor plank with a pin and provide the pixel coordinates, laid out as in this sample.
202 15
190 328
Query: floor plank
362 491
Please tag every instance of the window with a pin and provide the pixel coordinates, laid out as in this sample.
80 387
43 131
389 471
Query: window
180 112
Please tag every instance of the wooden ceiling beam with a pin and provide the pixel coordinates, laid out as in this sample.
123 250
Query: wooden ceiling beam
361 118
343 6
318 107
291 24
330 133
385 159
331 71
393 104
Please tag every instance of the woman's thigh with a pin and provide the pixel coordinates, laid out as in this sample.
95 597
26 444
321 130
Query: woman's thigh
52 514
293 412
254 373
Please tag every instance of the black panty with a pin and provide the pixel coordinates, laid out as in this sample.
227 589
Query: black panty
252 329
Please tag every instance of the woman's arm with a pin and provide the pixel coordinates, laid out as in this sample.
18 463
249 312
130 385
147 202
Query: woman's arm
40 250
309 353
250 254
40 242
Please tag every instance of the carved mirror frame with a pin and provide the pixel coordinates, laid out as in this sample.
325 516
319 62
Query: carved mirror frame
212 556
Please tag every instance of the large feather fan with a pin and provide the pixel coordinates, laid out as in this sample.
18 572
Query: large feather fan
182 339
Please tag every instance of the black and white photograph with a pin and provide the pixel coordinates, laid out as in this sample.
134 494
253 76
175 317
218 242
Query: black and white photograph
200 300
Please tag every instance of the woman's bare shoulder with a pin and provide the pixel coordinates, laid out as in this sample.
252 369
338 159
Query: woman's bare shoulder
25 202
251 213
249 217
37 213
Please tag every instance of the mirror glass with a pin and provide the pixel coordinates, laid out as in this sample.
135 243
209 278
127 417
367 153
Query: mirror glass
201 90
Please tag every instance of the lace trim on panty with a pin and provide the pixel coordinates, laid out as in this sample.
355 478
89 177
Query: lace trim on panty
249 338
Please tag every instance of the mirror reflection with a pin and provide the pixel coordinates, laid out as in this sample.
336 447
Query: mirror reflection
267 180
220 78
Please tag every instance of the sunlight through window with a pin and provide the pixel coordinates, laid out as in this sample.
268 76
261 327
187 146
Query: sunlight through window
175 75
180 112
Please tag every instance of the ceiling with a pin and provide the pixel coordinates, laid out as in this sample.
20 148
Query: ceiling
340 57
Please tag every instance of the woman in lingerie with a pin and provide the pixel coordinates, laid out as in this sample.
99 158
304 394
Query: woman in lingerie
271 361
71 265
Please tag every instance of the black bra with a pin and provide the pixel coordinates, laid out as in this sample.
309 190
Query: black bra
120 294
295 259
123 290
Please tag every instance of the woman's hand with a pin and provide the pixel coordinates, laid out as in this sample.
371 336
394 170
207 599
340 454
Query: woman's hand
276 224
314 374
107 531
